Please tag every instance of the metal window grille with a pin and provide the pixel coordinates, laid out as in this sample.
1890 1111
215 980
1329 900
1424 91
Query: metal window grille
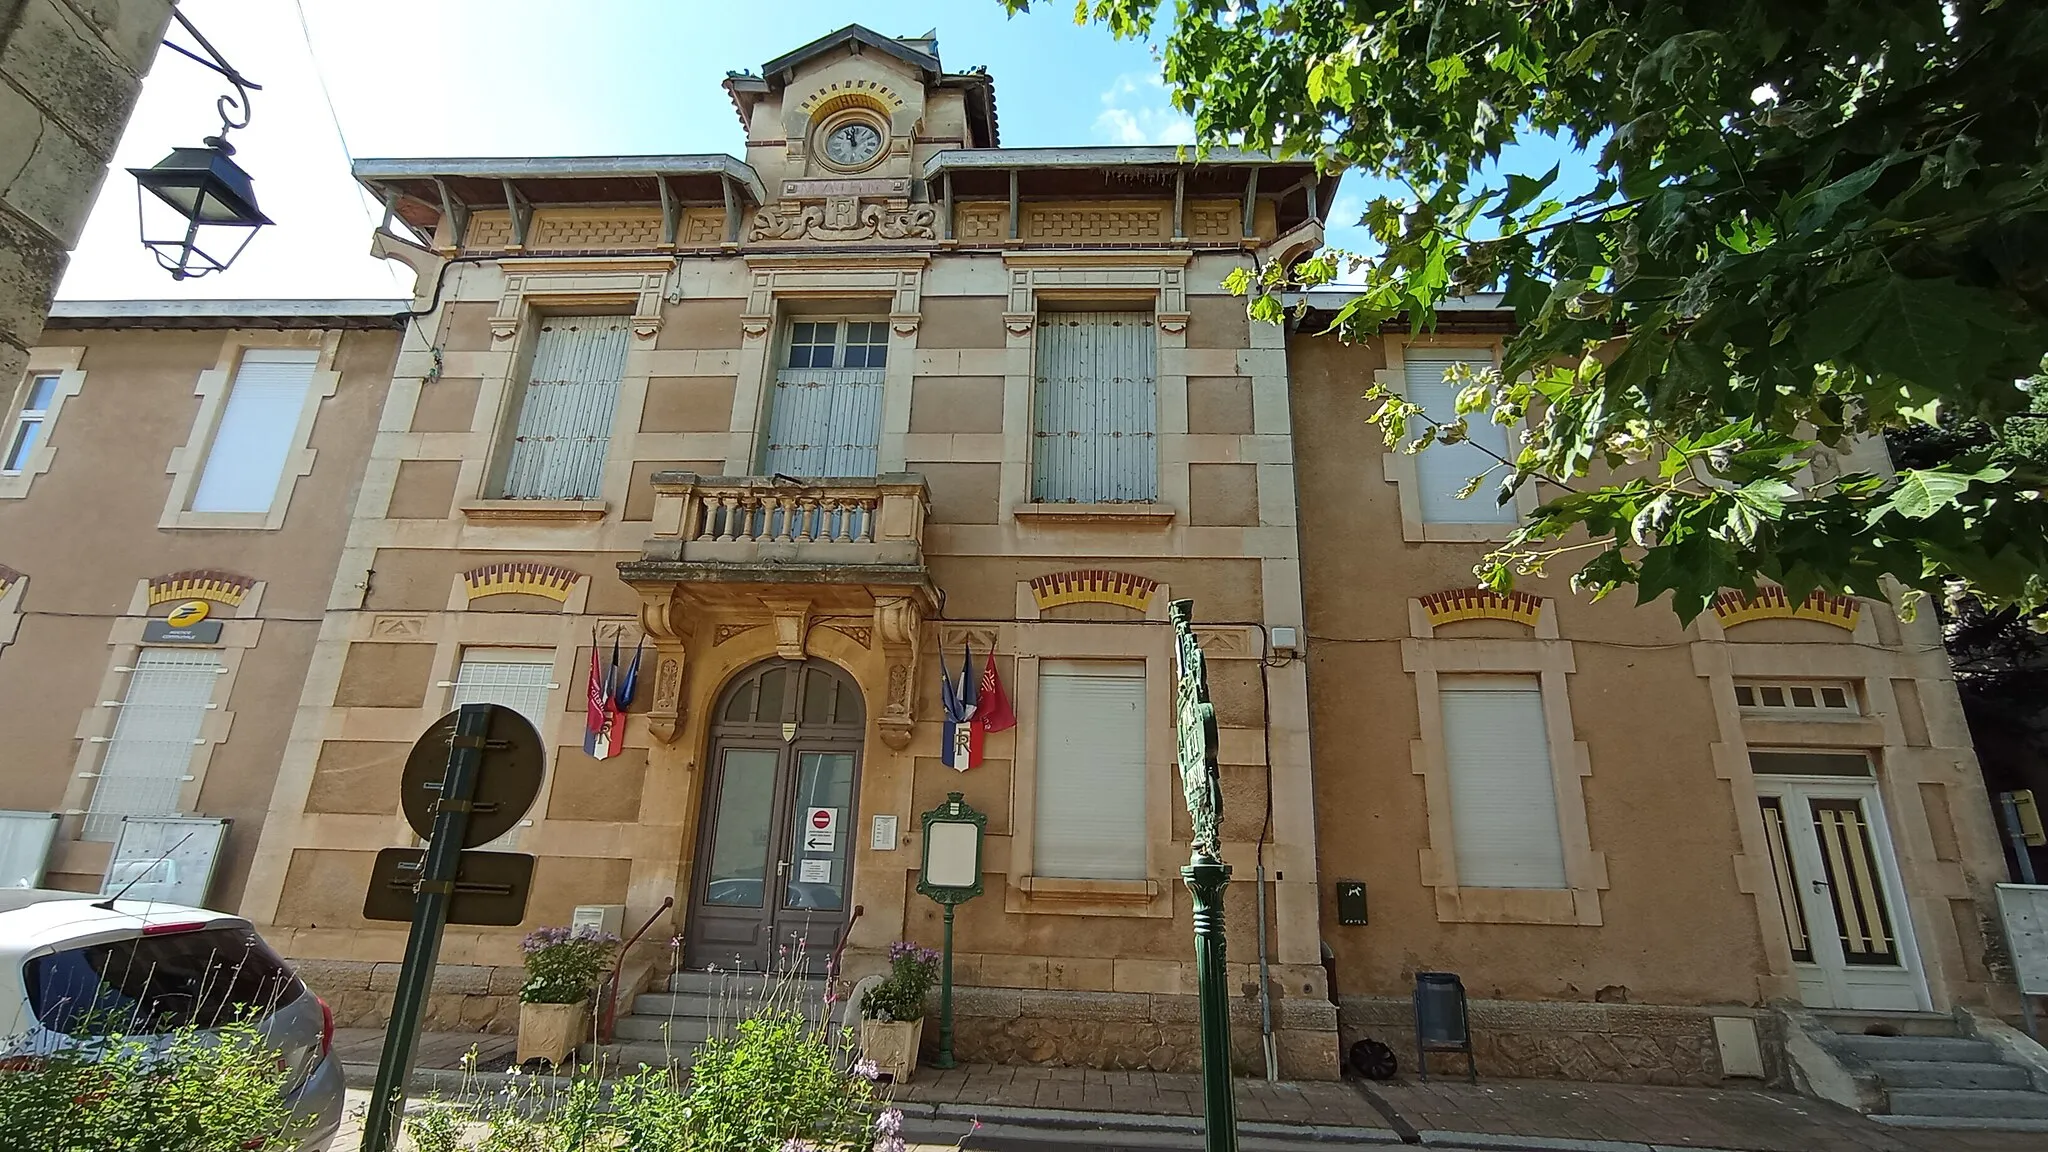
1096 422
564 429
28 424
150 753
1443 470
254 438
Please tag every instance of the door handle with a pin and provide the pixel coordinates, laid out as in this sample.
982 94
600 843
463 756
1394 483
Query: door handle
1821 885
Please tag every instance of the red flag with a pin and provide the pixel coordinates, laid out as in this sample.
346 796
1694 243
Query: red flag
994 713
598 712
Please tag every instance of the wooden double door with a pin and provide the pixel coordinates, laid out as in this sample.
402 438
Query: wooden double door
772 885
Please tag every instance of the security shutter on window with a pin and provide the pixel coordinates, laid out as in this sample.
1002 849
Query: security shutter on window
1094 436
564 429
1503 798
1090 820
1443 470
515 677
258 425
825 413
155 734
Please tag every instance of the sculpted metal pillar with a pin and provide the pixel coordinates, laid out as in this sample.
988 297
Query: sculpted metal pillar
1206 874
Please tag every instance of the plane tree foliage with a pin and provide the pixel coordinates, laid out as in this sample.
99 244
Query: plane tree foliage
1797 225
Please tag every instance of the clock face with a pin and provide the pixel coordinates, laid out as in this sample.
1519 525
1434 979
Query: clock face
852 144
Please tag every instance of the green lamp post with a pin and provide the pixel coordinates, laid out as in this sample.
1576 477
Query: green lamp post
951 876
1206 874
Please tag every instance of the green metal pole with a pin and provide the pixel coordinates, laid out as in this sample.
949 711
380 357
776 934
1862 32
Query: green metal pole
1206 878
945 1056
430 916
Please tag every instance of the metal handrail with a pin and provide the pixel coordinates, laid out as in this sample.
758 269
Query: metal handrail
609 1013
832 965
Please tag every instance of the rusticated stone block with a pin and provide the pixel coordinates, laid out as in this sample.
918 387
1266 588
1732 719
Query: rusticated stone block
332 977
506 980
467 979
384 977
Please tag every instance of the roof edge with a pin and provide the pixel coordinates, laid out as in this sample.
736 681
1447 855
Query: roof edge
67 315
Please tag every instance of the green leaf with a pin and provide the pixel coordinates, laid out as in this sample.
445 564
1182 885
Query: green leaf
1924 492
1522 190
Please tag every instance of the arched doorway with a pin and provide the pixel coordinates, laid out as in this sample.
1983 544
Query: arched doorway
775 841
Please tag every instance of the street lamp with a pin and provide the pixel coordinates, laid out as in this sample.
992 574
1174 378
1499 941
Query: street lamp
203 185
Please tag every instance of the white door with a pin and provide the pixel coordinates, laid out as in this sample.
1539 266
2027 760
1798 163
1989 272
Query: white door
1839 891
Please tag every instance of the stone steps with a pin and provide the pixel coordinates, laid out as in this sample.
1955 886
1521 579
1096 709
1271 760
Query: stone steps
1898 1074
665 1027
1986 1104
1946 1081
1886 1048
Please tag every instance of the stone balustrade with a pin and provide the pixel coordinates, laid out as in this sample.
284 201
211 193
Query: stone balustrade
753 520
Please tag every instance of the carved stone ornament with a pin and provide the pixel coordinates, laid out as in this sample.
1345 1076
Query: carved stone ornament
843 218
792 620
898 621
664 621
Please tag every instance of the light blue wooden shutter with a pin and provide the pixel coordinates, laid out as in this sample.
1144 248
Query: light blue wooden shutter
1095 433
565 412
1442 470
824 422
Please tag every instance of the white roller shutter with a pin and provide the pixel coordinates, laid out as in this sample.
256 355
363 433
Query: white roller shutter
258 426
150 754
1442 470
519 679
1090 807
1503 798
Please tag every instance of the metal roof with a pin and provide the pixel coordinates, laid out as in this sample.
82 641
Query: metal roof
1159 155
562 167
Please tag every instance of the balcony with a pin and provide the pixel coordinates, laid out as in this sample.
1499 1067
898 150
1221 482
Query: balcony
726 539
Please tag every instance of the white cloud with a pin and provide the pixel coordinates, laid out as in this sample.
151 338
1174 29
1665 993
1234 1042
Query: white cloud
1135 110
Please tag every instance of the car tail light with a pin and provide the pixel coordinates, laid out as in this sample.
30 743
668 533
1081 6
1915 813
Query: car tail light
326 1027
178 926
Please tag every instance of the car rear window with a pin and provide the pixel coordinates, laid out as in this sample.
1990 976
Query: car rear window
154 984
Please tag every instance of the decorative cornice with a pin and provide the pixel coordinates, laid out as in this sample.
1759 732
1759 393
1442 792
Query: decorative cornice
1456 604
1771 603
525 578
229 588
1093 586
726 632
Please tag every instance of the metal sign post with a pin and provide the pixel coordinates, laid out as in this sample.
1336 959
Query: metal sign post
951 875
473 743
1206 874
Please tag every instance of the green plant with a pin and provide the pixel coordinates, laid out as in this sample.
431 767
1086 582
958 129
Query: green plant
913 969
1731 234
772 1081
563 965
190 1091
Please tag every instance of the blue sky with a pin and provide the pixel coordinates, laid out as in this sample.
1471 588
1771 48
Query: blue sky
518 78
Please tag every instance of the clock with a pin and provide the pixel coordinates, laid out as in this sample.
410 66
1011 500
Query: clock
852 143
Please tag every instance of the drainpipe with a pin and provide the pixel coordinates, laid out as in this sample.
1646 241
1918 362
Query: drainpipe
1266 1040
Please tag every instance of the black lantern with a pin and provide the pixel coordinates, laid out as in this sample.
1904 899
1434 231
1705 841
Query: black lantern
204 185
209 191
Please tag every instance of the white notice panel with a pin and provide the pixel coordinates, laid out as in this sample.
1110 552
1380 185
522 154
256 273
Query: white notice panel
168 858
2024 908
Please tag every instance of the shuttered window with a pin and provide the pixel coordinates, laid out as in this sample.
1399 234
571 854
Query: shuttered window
563 428
518 678
1095 429
825 416
155 733
1090 807
1503 797
1443 470
258 426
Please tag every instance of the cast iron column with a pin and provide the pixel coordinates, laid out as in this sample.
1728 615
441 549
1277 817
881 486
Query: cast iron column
1206 873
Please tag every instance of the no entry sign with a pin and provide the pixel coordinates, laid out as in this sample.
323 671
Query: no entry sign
824 819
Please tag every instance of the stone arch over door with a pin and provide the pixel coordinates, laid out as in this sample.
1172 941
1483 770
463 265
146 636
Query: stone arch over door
772 881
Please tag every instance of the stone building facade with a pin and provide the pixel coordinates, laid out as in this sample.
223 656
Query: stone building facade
1646 848
160 454
802 433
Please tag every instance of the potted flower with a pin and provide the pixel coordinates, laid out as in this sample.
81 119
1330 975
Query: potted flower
892 1010
562 970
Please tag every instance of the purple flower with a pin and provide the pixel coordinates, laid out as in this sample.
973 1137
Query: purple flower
890 1122
795 1145
867 1070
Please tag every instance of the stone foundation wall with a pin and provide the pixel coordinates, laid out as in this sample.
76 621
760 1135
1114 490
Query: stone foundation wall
1125 1030
465 997
1616 1043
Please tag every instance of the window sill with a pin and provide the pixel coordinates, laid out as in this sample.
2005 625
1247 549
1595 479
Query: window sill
1127 515
1077 897
534 511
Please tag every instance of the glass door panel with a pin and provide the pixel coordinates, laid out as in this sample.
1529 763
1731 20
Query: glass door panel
741 828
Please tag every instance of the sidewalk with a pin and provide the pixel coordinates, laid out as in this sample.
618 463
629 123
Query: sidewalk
1031 1107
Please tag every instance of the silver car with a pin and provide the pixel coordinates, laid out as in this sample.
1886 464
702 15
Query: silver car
72 965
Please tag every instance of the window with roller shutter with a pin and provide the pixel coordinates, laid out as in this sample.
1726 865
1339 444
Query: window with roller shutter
149 756
258 428
1090 800
1504 823
1443 470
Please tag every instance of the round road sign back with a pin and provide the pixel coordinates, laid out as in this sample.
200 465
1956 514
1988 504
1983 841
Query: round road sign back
506 782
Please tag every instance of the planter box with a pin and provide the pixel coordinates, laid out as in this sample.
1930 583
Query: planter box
551 1031
892 1046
